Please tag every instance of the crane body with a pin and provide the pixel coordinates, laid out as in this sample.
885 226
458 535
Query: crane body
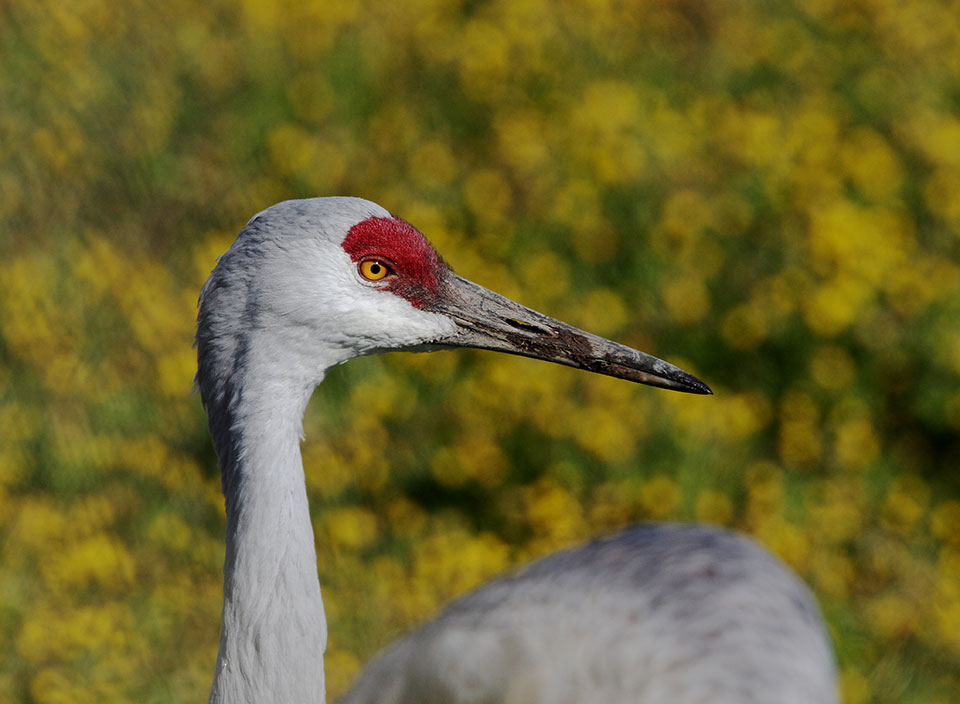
659 613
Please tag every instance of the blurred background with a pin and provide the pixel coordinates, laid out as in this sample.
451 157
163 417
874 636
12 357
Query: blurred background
765 193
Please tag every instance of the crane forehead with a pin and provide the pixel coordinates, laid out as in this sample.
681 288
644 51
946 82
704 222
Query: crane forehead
418 266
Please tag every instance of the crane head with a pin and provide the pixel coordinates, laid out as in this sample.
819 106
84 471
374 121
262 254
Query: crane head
345 277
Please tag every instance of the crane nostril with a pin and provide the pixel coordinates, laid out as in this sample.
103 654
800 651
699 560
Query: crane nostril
528 327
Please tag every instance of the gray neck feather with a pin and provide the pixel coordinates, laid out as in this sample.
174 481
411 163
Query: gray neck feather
273 631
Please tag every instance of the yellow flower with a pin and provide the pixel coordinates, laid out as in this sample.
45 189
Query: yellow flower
890 615
765 492
175 371
51 685
799 443
553 513
311 97
168 530
475 456
99 562
754 136
947 619
941 193
660 497
395 128
832 368
11 194
406 518
945 523
837 514
949 349
50 634
605 124
850 241
326 470
856 444
937 135
262 16
834 573
604 432
835 304
350 527
33 326
522 143
746 326
488 195
871 164
546 275
741 415
448 563
484 59
39 526
907 503
603 312
340 667
613 505
714 506
687 299
433 164
678 233
911 288
787 541
854 686
297 152
607 108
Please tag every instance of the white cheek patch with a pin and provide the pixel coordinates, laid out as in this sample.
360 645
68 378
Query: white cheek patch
353 312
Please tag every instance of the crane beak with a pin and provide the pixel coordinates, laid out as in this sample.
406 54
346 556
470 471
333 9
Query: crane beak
489 321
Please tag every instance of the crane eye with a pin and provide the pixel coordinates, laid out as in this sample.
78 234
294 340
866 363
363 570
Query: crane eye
373 269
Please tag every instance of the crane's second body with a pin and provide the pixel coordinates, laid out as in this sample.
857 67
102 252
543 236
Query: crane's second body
659 614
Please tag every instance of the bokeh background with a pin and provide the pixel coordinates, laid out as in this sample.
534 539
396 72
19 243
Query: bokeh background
766 193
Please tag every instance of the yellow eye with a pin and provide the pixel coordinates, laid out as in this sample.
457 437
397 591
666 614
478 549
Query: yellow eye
372 270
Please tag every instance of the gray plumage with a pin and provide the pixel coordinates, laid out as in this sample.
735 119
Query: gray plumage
659 613
685 615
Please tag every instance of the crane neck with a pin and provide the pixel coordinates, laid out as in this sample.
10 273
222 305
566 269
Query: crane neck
273 631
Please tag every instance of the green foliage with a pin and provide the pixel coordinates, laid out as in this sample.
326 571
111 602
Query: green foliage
765 193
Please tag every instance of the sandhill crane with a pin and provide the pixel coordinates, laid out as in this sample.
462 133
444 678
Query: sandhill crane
668 613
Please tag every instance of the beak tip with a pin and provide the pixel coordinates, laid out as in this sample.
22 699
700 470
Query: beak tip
693 385
673 380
